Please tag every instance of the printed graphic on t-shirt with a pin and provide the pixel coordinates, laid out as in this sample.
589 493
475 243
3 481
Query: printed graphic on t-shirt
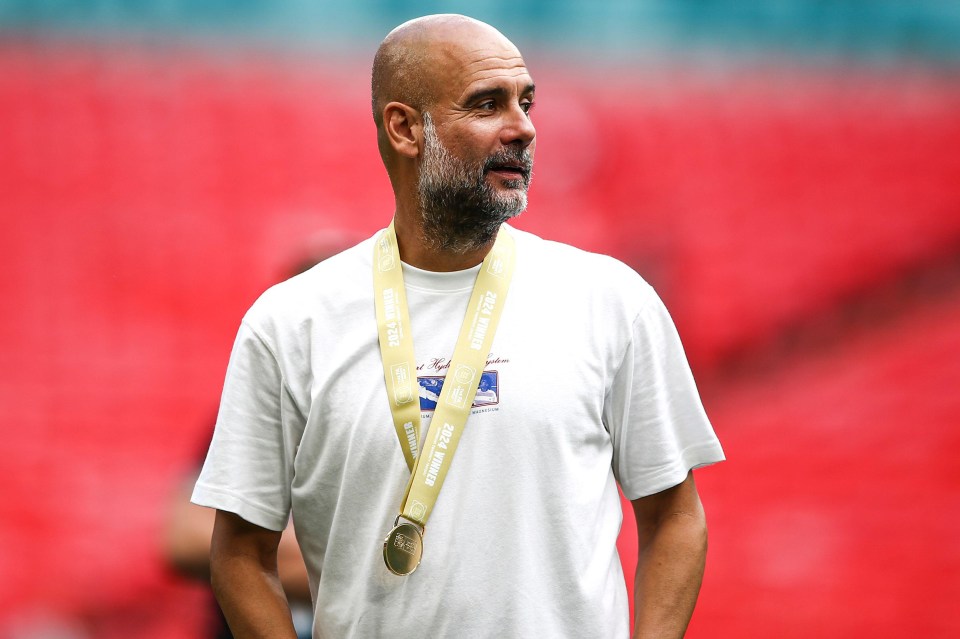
488 392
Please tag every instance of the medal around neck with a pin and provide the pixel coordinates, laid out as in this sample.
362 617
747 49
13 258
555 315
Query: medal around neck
403 548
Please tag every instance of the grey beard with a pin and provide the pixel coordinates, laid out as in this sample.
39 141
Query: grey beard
461 212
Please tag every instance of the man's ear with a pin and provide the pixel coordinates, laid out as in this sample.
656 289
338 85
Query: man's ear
404 127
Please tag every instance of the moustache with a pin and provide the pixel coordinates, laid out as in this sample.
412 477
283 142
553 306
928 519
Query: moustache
509 159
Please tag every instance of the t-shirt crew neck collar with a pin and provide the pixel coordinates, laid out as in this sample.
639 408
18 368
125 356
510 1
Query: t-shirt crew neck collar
418 278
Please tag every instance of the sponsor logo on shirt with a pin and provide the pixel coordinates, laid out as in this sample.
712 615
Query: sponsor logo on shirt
488 391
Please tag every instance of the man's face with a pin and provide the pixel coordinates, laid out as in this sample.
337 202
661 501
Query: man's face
477 159
462 203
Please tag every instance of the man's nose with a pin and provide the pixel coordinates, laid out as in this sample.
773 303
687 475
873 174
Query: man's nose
518 128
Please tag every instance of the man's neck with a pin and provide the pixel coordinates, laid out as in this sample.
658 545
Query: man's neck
415 251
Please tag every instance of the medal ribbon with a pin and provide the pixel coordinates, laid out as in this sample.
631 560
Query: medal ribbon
428 471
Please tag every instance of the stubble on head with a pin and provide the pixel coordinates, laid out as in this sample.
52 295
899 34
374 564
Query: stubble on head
461 211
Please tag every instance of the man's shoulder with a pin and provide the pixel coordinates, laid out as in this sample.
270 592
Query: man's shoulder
601 278
574 262
336 282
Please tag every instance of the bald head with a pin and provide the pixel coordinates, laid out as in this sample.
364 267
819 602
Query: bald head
451 99
415 59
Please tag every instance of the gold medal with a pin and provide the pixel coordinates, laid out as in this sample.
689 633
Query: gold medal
403 548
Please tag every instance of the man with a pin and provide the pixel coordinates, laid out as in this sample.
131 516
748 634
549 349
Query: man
485 394
521 535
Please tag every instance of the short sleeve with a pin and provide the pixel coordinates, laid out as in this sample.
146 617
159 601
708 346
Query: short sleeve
249 467
659 428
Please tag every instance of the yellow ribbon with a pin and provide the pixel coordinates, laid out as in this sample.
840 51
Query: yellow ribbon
429 470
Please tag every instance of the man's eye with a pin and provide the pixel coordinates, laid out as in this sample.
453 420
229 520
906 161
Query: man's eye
487 105
527 106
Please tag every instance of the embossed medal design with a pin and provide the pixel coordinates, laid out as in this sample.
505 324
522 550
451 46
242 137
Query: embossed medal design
403 549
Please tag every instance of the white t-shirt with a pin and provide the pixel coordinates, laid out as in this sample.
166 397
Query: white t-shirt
592 387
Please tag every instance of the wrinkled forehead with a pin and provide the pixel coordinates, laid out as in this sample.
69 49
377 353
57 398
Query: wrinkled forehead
465 63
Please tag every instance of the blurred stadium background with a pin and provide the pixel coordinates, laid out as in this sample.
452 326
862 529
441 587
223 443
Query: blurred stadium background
787 174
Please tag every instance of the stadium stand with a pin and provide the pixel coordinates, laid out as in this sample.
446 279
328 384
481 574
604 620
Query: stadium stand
801 221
